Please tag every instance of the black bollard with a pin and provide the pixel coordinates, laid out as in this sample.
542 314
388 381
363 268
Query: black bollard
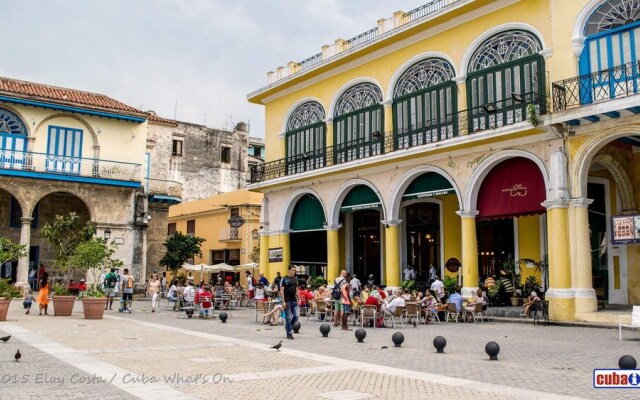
360 335
223 317
324 329
492 349
397 339
627 362
440 343
296 327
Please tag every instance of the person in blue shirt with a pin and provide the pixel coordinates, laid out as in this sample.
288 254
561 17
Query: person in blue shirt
263 279
456 297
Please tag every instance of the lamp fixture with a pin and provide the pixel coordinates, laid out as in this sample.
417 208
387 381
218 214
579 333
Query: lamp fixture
489 108
517 97
107 234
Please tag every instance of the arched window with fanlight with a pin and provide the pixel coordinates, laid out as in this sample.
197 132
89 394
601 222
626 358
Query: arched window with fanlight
305 138
609 59
13 140
424 103
505 74
358 127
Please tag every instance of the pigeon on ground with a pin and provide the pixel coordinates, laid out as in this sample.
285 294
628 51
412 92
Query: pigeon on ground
277 347
18 355
5 338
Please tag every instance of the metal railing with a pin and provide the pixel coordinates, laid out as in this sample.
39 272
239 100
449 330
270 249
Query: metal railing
76 166
310 62
164 187
496 115
360 39
424 10
613 83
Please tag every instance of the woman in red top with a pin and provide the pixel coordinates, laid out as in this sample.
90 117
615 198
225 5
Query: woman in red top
204 298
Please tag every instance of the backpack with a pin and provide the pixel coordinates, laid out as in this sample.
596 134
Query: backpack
335 293
111 280
129 283
254 282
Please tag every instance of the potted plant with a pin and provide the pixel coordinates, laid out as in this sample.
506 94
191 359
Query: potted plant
511 281
63 300
7 292
93 301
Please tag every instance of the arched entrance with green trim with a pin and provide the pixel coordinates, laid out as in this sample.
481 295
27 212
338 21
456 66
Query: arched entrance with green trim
308 238
361 211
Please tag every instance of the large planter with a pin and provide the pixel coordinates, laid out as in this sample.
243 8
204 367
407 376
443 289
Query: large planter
93 308
63 305
515 301
4 308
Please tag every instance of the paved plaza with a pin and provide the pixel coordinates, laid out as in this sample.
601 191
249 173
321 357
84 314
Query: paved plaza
158 356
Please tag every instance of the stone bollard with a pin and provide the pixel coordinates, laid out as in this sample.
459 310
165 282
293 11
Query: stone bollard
360 335
397 339
627 362
492 349
440 343
325 329
223 317
296 327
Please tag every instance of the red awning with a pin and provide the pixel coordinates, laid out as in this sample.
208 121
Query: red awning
513 188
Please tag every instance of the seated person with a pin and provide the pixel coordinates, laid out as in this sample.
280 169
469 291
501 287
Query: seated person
259 293
529 303
471 305
456 298
73 288
274 316
304 297
204 298
355 304
81 286
172 294
397 301
374 300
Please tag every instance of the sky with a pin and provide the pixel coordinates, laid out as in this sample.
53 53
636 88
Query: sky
195 60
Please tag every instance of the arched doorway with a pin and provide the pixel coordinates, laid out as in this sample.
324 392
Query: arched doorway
48 207
308 238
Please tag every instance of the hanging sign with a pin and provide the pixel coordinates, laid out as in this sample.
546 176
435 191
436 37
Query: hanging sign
625 229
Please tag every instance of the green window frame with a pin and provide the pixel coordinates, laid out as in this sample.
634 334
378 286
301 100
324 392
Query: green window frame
505 74
305 139
424 104
358 124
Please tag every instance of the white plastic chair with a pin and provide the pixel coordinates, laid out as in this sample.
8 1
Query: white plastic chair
635 322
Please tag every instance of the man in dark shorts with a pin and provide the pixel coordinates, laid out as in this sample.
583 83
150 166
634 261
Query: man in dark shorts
289 295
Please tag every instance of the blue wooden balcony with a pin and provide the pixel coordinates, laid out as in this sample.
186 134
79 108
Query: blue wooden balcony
72 169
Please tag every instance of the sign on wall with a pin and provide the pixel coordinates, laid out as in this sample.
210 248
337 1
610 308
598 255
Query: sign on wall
275 255
625 229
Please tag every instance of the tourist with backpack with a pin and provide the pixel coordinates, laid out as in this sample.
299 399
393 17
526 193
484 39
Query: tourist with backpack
336 295
110 286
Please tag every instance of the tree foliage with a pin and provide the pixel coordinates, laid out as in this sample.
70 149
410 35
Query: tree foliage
180 248
65 233
11 251
94 253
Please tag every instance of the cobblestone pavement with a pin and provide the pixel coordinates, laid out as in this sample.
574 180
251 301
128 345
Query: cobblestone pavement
157 356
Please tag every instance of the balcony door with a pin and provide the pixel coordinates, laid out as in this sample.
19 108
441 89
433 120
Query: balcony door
13 140
505 74
305 138
609 59
64 150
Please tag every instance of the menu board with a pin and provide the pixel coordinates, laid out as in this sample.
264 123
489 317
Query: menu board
625 229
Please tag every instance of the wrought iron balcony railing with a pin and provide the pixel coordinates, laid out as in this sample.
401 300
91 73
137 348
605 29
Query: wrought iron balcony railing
613 83
76 166
491 116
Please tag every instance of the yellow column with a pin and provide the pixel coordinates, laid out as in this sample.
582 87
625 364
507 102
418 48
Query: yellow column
388 118
391 253
333 252
583 286
264 255
329 141
469 252
559 294
286 253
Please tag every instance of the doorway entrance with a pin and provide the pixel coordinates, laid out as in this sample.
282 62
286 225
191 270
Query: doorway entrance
423 238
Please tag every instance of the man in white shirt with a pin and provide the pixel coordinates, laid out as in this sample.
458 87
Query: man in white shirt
409 273
432 273
355 282
438 288
391 306
189 297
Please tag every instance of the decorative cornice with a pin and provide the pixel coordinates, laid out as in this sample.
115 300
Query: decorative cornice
546 53
468 213
551 204
391 222
581 202
332 227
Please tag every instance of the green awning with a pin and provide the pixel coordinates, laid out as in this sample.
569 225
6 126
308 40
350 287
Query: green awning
307 215
428 185
360 198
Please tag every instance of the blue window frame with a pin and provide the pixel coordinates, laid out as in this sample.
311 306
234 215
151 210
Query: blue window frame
13 140
609 60
64 150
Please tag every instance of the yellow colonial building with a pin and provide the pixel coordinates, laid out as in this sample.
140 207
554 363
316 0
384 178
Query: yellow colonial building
469 130
212 219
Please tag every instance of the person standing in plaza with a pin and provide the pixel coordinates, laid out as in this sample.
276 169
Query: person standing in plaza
289 295
355 282
438 287
43 294
432 273
163 283
277 279
345 298
336 294
109 284
153 288
250 285
127 291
